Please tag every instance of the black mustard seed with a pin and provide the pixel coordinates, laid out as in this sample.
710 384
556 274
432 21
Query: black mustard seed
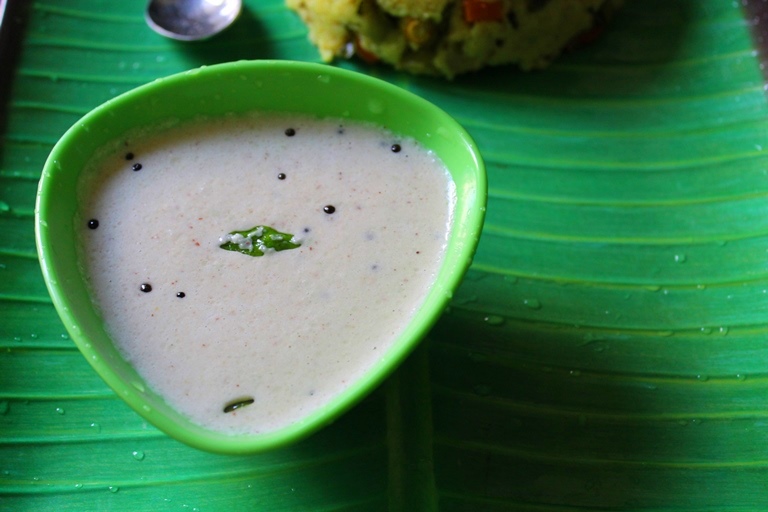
136 167
329 209
395 148
181 295
129 156
93 224
145 287
281 176
290 132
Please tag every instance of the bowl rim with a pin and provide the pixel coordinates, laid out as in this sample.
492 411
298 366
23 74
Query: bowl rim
251 443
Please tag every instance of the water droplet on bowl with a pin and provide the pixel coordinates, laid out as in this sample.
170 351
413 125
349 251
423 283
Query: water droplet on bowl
138 455
375 106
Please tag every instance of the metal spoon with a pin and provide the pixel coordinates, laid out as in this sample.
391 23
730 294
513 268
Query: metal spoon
190 20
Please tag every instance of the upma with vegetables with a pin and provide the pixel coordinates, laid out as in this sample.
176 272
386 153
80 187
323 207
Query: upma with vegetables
450 37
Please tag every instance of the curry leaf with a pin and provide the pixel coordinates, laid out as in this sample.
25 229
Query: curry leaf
257 240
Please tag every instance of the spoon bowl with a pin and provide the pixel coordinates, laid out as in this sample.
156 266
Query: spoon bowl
191 20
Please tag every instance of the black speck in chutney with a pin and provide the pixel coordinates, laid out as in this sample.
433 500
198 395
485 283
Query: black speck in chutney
395 148
93 224
281 176
290 132
145 287
181 295
329 209
129 156
136 167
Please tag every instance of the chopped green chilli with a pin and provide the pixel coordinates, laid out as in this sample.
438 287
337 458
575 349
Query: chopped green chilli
258 240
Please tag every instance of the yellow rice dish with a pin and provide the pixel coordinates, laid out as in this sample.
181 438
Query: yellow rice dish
450 37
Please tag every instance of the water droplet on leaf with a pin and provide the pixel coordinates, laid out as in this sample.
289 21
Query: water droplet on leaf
532 303
494 320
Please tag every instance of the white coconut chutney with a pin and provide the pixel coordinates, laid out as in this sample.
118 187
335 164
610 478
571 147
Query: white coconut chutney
209 328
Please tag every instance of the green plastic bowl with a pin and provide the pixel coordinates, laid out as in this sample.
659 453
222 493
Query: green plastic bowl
240 87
